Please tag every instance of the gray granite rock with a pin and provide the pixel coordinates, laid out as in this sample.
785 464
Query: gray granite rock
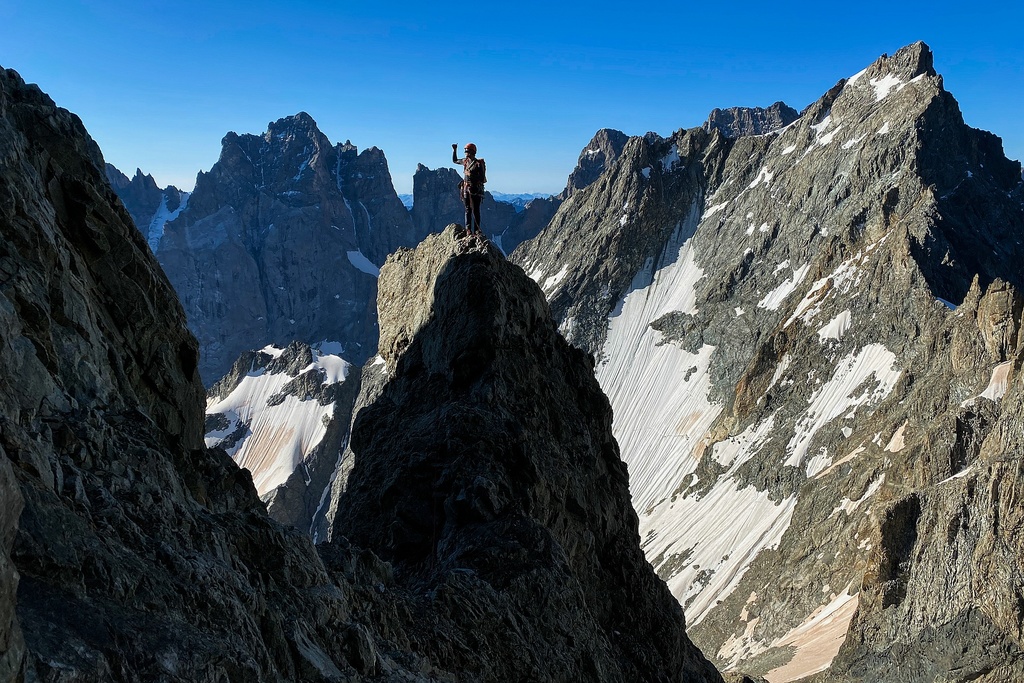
275 243
736 122
836 395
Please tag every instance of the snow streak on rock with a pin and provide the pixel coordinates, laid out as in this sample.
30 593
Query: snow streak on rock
863 378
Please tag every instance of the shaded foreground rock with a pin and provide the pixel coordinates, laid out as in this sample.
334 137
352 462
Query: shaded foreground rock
486 470
144 556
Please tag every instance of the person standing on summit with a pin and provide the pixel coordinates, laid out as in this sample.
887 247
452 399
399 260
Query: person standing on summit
472 185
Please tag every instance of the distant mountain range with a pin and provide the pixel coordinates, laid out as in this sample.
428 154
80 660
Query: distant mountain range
517 200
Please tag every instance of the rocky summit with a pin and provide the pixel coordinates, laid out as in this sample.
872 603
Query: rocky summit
736 122
131 552
436 201
280 241
810 337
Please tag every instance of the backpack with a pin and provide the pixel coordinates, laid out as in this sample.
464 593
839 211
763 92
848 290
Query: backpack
477 174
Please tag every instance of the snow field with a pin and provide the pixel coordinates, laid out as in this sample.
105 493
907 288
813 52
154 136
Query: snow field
280 436
662 414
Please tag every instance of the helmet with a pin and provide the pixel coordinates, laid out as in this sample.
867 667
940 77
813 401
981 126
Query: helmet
470 147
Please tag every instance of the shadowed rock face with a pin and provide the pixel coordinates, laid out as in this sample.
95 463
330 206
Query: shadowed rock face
149 206
144 556
486 467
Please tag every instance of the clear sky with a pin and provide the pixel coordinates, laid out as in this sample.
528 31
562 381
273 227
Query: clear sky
158 84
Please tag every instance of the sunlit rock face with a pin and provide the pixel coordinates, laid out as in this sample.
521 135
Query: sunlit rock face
736 122
810 340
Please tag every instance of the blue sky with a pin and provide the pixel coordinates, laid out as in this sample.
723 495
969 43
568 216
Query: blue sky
158 84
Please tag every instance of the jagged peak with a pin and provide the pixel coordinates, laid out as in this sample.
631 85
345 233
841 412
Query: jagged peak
471 491
910 61
605 138
300 126
421 168
602 151
734 122
115 177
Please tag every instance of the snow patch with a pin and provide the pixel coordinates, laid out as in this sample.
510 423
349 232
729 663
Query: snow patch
552 282
765 176
848 506
715 209
997 384
883 86
357 259
161 218
821 126
828 137
773 299
853 141
855 77
897 442
817 639
836 328
669 161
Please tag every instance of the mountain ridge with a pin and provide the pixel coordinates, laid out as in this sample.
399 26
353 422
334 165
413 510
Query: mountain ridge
770 306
